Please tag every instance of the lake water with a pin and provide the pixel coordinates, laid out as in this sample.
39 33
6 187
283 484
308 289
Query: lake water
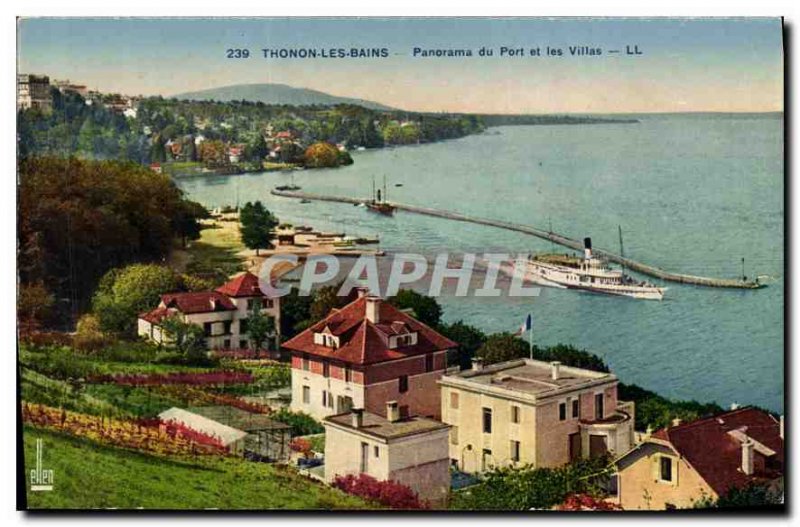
693 194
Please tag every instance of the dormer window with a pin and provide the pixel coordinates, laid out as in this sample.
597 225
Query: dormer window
327 340
401 341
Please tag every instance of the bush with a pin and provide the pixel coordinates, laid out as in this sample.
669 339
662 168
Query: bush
89 338
302 424
387 493
301 445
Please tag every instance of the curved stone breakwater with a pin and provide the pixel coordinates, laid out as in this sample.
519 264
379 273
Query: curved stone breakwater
565 241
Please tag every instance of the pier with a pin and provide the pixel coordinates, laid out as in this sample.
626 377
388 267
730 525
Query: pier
559 239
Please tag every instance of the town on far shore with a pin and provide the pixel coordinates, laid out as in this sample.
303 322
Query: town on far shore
156 373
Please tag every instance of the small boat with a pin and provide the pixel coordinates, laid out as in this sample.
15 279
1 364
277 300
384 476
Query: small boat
304 201
379 203
590 273
288 187
398 184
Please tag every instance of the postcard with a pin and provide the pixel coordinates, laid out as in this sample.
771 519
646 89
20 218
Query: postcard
392 264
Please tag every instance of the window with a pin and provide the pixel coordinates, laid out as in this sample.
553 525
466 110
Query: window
242 344
306 394
403 383
454 435
562 411
429 362
243 326
454 400
348 374
325 398
514 451
226 327
665 469
253 303
377 451
487 420
207 329
226 344
326 369
576 408
514 414
598 406
269 303
305 362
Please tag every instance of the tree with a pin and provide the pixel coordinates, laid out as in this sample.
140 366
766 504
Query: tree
187 339
259 328
501 347
89 336
424 308
124 293
185 220
325 299
258 150
257 226
752 495
469 339
321 155
33 303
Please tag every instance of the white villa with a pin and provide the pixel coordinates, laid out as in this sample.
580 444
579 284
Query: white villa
221 313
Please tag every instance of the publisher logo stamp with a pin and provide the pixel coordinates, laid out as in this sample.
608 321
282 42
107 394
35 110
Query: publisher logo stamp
41 479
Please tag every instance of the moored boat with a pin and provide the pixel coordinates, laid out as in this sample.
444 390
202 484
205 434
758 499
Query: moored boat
589 273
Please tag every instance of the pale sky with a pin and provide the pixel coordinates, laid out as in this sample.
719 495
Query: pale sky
727 65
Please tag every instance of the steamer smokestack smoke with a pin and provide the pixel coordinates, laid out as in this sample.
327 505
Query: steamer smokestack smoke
587 248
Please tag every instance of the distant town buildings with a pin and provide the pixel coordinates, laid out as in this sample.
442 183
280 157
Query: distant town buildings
411 451
33 91
531 412
65 86
363 355
680 465
222 313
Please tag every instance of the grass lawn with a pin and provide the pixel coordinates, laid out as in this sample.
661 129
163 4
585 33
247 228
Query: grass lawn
216 251
88 475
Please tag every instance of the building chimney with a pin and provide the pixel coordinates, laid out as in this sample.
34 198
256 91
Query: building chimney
587 248
392 411
373 309
734 406
747 456
677 421
555 370
477 364
357 414
362 291
781 422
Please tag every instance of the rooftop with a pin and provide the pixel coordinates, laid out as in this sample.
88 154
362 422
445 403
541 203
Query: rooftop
243 285
528 377
713 446
380 427
237 418
363 341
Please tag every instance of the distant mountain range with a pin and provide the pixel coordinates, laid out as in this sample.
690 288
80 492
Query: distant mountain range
276 94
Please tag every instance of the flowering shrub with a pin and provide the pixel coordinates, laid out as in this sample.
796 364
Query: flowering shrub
149 379
152 435
388 493
587 502
302 446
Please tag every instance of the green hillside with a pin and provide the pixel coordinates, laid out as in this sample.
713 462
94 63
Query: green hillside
275 94
88 475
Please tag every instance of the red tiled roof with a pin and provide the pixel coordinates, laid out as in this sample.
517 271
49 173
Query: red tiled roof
717 455
156 315
363 342
199 302
244 285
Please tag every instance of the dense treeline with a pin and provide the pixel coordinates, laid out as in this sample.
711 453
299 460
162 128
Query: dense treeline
78 219
512 120
92 131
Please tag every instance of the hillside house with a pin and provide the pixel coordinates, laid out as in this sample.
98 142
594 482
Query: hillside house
363 355
685 463
222 313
